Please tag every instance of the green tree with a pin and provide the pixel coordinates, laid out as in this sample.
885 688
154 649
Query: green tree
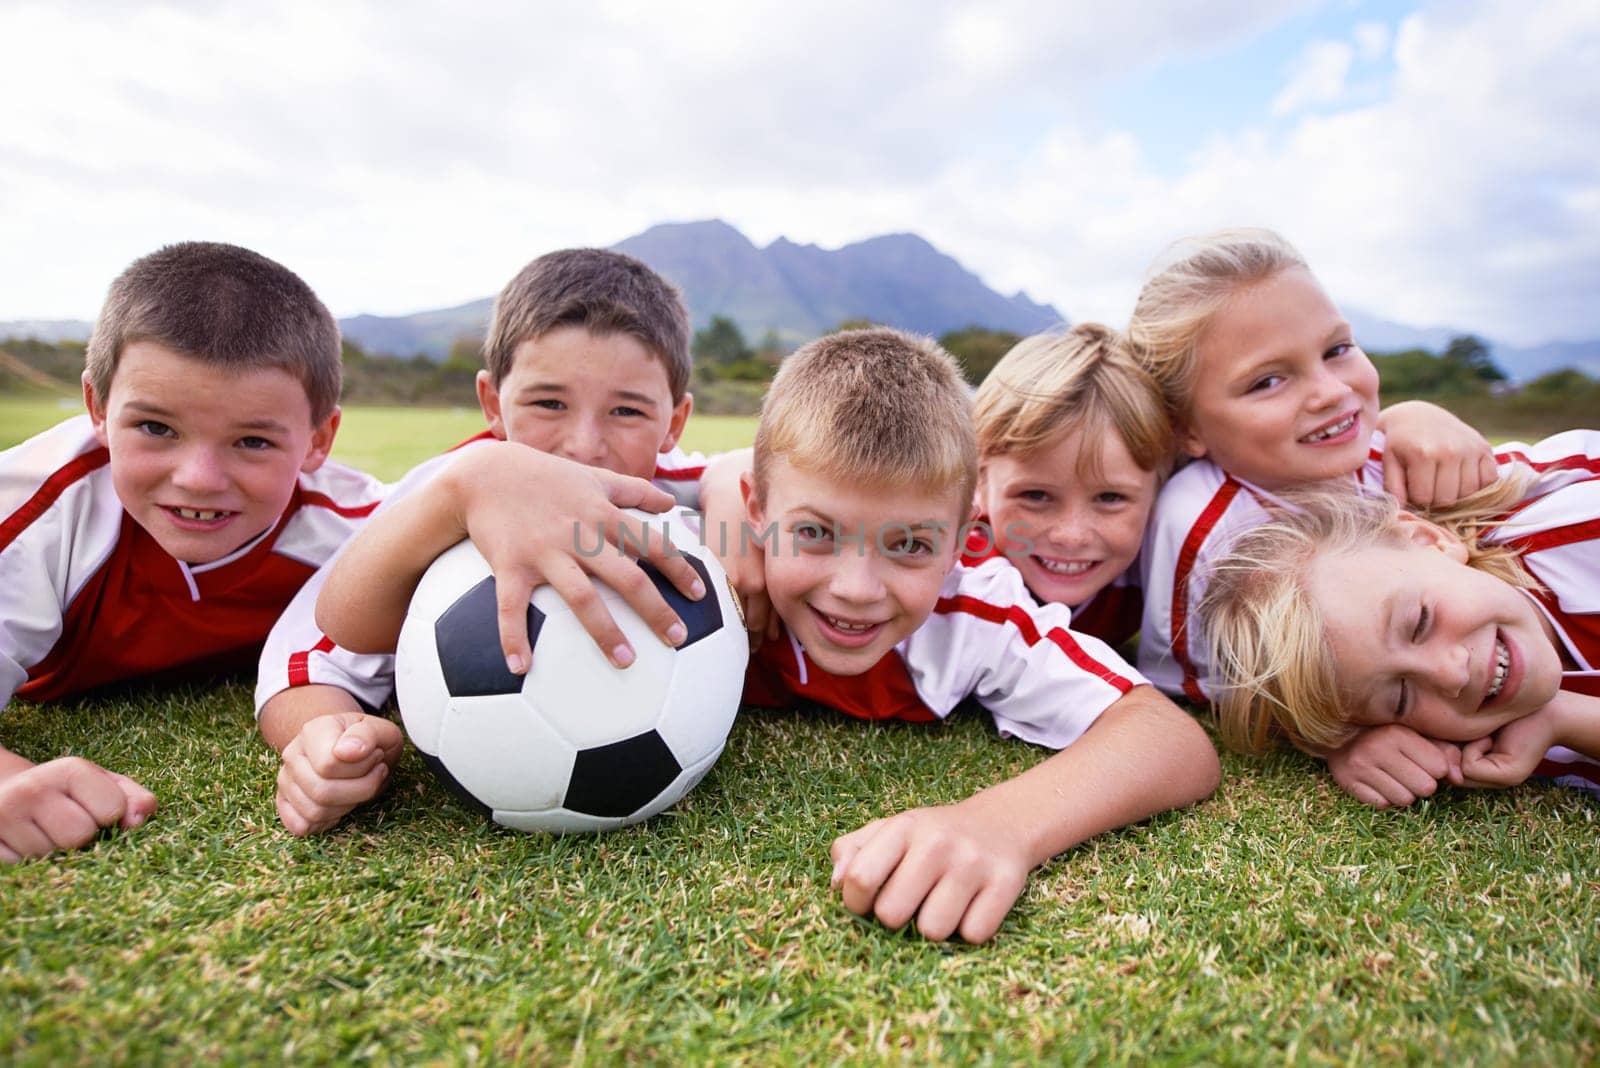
719 344
978 349
1468 354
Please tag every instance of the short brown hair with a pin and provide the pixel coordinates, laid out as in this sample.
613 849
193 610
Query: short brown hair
1084 379
602 291
878 407
223 305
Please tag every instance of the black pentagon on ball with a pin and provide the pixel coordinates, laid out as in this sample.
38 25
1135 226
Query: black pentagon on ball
701 618
468 637
621 778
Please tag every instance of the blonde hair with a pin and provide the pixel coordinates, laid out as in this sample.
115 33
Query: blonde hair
874 407
1193 280
1082 380
1275 675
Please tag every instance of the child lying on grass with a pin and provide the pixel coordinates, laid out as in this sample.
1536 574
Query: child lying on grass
1475 635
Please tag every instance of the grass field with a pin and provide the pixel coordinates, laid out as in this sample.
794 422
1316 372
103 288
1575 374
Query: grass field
1277 921
385 441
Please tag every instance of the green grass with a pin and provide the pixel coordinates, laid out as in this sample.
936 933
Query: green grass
1279 920
385 441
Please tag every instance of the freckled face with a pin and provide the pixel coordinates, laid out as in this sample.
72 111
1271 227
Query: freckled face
1282 393
205 459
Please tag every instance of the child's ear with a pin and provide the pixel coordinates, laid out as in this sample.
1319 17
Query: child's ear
752 500
321 441
1430 535
1189 443
489 401
680 416
97 414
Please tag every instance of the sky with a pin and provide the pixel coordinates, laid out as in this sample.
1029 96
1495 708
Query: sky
1437 163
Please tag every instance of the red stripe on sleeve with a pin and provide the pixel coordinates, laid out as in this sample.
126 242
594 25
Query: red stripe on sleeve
50 491
1556 537
322 500
1574 462
1019 617
680 474
1209 517
299 663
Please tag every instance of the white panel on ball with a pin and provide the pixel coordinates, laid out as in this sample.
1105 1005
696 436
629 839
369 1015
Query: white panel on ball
580 693
503 754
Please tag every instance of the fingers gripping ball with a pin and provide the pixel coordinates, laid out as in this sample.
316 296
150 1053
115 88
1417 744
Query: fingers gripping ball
576 744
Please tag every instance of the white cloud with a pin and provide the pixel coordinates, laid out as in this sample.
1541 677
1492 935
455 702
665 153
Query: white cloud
404 157
1318 77
1466 198
1372 40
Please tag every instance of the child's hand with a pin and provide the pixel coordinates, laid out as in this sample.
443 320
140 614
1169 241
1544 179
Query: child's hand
948 867
530 539
1431 458
1394 765
1509 756
63 804
335 763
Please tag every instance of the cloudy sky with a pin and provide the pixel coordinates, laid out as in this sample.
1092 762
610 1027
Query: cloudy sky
1438 163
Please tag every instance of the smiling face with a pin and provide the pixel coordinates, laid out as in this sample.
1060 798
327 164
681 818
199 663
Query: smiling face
1282 393
205 459
854 569
1420 638
599 399
1068 528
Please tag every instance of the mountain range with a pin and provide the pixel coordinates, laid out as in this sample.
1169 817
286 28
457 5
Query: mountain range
795 292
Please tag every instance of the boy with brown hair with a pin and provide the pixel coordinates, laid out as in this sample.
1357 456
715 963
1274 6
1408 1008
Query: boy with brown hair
862 479
863 473
587 363
165 530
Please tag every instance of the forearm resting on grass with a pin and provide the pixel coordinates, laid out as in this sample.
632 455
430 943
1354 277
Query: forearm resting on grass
959 868
335 756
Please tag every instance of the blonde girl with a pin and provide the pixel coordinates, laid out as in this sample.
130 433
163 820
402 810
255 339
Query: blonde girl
1073 443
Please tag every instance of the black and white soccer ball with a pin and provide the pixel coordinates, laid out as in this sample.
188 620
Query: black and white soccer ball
576 744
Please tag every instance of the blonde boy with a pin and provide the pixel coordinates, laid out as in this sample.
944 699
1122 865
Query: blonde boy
587 364
862 481
165 530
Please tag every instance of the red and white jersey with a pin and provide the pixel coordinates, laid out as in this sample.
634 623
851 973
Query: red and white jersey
88 597
297 653
1558 534
1202 509
987 638
1113 614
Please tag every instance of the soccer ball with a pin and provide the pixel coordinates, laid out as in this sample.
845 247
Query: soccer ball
576 744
